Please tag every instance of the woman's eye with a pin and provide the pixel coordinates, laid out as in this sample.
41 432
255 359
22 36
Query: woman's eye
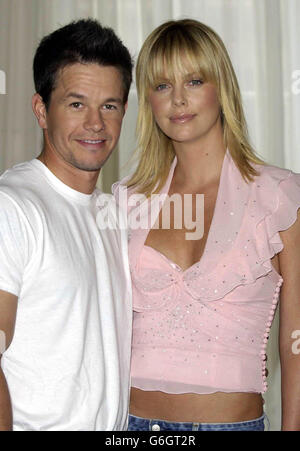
161 87
196 82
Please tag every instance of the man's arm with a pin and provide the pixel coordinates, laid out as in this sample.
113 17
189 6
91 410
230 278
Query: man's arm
8 309
289 260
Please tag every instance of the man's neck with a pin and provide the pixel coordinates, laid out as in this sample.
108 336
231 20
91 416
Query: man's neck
79 180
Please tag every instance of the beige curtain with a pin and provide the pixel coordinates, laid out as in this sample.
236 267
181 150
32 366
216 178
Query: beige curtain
261 37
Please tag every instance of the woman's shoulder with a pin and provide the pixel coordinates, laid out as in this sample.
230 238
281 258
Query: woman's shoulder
276 181
276 196
274 173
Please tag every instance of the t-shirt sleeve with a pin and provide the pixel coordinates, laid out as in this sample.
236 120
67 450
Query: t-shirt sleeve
13 245
120 193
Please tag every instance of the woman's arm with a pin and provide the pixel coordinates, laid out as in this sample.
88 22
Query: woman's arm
289 260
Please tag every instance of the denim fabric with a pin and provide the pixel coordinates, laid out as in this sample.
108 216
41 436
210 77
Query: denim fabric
143 424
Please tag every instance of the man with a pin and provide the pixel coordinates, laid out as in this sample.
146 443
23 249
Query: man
64 284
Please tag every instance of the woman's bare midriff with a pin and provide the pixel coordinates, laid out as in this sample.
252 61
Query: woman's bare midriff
190 407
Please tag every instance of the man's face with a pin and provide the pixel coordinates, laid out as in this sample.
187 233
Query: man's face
84 118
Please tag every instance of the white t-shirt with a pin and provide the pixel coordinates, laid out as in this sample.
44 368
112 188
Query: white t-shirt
67 367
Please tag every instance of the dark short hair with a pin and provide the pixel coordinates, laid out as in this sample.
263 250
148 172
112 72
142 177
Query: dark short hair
83 41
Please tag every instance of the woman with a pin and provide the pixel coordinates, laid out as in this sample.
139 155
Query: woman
203 306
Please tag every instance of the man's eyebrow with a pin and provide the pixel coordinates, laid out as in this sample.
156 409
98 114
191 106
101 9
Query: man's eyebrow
81 97
74 94
114 100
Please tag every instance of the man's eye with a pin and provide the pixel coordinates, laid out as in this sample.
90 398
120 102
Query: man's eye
108 106
76 105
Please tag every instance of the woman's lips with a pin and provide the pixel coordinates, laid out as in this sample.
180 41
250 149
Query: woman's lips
182 118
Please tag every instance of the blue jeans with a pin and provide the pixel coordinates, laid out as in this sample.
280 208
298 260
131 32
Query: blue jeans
143 424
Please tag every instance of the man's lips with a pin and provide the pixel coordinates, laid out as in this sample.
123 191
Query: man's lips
92 143
181 118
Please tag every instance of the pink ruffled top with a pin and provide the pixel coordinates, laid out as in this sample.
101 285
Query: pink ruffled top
206 329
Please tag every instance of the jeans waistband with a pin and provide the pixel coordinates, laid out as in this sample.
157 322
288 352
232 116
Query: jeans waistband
144 424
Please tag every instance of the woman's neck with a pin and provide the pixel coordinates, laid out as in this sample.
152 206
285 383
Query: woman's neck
198 165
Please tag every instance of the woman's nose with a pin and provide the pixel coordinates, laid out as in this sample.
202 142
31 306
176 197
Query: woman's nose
179 97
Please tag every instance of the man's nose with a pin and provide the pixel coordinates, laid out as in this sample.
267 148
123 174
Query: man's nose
94 121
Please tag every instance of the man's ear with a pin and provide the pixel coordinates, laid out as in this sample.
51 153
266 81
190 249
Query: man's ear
125 106
39 110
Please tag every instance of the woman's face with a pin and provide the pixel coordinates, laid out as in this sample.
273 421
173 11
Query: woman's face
185 109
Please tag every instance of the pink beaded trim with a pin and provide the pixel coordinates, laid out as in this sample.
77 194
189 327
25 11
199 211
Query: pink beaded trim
263 351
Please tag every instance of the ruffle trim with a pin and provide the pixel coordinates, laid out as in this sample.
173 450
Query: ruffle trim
285 214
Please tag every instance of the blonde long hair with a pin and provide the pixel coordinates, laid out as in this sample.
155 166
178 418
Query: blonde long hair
206 54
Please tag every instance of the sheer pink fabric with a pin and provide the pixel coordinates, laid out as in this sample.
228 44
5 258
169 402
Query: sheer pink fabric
206 329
